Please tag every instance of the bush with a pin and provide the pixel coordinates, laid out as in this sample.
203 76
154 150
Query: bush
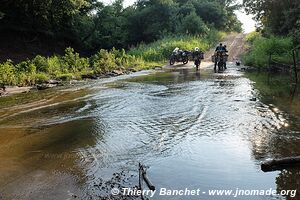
41 63
54 66
73 62
278 47
104 61
251 37
26 67
65 77
7 73
41 78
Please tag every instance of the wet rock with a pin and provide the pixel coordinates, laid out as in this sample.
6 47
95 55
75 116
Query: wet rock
53 82
118 72
253 99
89 76
132 70
44 86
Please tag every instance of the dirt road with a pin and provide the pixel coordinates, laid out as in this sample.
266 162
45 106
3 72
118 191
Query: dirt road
235 45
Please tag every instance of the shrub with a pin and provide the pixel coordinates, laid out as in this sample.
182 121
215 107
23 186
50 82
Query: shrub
26 67
104 61
278 47
7 73
73 62
251 37
65 77
41 78
54 66
41 63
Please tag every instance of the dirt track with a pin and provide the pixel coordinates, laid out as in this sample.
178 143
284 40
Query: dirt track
235 45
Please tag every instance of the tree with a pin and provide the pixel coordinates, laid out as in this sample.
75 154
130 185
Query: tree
193 24
279 17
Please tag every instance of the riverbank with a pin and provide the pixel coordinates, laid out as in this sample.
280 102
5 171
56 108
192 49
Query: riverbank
271 67
47 72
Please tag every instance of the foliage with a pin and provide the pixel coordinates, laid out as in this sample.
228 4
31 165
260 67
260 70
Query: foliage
193 24
251 37
104 61
161 49
275 17
7 73
279 47
73 62
91 25
67 67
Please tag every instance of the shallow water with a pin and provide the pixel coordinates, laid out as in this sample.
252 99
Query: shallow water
192 130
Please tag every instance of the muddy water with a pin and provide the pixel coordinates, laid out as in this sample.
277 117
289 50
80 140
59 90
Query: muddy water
192 130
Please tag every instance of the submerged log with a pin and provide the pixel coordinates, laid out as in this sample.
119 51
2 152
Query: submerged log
278 164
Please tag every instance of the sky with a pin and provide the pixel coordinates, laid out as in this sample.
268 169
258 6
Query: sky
248 22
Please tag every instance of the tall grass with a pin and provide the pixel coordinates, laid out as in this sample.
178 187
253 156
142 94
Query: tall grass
70 66
161 49
73 66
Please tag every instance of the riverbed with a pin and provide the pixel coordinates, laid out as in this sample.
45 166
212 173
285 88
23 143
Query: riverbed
194 130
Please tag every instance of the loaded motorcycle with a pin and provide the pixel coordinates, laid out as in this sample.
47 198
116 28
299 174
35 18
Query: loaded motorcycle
220 58
179 56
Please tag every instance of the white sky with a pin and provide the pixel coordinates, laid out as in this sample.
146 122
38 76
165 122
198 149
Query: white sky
248 22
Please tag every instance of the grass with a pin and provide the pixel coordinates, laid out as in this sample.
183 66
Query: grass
72 66
160 50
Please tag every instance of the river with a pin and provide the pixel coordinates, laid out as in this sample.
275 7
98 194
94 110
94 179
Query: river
195 130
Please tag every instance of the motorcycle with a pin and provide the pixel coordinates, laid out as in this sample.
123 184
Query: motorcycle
198 56
179 56
220 58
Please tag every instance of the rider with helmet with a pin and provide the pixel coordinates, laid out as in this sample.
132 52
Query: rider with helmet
220 50
197 56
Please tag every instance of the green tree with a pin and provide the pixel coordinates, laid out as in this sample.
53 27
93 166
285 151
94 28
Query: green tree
193 24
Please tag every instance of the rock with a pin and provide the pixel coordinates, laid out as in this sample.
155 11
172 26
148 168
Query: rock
44 86
54 82
253 99
89 76
110 74
118 72
132 70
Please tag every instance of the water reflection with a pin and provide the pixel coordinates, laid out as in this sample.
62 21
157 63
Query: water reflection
193 129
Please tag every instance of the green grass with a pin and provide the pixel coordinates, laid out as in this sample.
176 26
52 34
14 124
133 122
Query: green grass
161 49
73 66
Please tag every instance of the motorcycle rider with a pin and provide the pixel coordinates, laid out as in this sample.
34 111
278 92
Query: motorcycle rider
197 53
197 56
225 50
220 47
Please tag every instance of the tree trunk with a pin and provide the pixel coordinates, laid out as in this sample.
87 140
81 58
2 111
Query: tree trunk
278 164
